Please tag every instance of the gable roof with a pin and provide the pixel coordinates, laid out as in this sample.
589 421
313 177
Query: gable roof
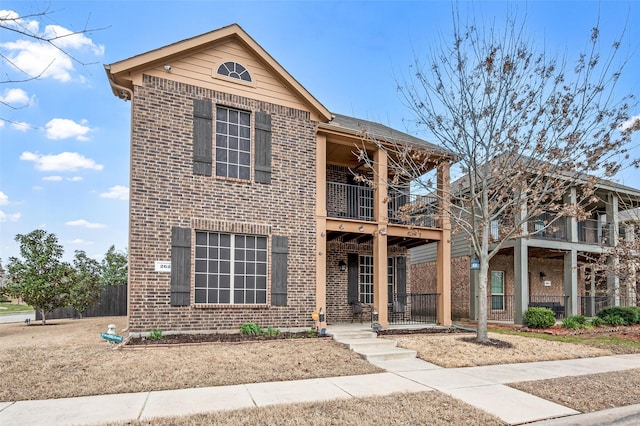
119 72
382 132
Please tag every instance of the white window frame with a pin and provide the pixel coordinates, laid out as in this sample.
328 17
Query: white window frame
233 151
245 268
497 296
365 279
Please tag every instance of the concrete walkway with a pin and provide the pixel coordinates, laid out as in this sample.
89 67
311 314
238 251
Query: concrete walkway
482 387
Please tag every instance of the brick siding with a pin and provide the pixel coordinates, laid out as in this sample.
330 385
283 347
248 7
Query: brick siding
164 192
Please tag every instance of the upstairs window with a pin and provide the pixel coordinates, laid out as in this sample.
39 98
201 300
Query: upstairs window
233 143
234 70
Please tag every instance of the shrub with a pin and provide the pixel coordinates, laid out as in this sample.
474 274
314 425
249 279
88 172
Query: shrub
539 317
250 328
155 334
629 314
597 321
574 323
271 331
614 320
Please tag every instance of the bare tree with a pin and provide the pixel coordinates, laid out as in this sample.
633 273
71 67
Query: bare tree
525 127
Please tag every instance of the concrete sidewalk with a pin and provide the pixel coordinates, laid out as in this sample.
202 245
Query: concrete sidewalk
483 387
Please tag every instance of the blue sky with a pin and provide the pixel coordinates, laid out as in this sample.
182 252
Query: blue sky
64 139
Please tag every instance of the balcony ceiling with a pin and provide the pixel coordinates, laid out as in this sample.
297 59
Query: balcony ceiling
360 238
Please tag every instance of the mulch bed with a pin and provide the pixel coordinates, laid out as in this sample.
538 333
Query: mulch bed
195 338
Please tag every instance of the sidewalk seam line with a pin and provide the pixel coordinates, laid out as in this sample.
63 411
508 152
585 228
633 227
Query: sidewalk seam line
144 405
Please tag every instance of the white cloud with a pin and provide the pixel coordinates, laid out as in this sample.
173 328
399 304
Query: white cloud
63 162
9 217
21 126
86 224
39 58
633 121
16 98
117 192
81 242
60 178
11 18
62 128
4 199
37 188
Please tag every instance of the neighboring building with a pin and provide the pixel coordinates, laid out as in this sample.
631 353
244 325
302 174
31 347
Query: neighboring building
550 266
242 186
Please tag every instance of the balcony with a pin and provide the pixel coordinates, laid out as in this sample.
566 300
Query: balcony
356 202
592 231
546 226
549 227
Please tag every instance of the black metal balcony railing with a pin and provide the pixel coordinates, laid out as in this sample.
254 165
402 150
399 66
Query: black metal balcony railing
413 308
556 303
416 210
548 227
356 202
349 201
591 231
500 307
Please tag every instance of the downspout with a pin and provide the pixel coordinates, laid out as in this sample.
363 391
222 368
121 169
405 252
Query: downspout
126 94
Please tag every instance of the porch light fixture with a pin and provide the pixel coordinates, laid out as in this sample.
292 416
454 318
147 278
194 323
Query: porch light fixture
342 265
361 229
542 275
383 231
167 67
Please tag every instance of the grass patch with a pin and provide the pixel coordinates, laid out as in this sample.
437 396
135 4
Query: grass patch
10 309
603 340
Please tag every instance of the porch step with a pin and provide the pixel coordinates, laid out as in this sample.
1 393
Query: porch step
367 344
393 353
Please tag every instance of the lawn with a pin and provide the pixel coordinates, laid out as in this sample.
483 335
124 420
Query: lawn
11 308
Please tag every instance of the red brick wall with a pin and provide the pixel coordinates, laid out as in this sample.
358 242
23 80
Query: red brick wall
164 192
424 280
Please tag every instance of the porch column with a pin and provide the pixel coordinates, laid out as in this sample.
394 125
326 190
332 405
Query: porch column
571 282
630 294
443 255
521 268
521 277
321 225
613 279
570 198
380 216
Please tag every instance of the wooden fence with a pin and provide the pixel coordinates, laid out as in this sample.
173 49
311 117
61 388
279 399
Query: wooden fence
112 302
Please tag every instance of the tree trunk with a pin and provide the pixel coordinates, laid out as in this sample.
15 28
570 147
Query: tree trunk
44 320
482 335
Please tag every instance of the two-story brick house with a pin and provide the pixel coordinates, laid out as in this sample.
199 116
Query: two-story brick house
243 206
554 263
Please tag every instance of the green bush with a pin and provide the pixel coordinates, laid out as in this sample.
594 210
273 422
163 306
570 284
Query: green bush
155 334
270 331
597 321
539 317
575 322
615 320
250 328
629 314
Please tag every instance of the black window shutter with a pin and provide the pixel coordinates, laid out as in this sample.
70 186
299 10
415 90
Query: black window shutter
352 277
202 136
180 266
263 148
401 279
279 266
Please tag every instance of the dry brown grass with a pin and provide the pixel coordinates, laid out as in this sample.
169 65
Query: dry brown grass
594 392
425 408
452 351
68 358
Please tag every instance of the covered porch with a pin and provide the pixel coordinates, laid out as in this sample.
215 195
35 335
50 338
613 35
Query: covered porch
365 228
